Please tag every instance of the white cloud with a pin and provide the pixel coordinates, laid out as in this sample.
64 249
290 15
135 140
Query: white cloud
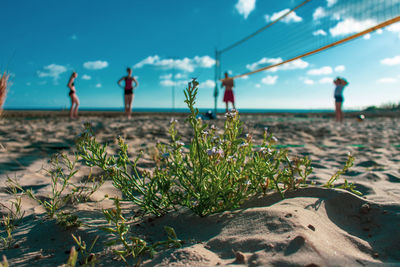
258 85
340 68
245 7
319 13
292 17
308 81
321 71
207 84
86 77
263 62
185 64
204 62
270 80
319 32
391 61
180 76
53 70
95 65
331 2
367 36
395 28
351 25
325 80
169 83
296 64
387 80
166 76
244 77
98 85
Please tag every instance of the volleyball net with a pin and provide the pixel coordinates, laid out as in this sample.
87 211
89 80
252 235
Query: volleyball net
310 27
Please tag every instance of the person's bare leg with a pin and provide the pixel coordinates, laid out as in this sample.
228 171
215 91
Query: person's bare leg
76 100
71 111
233 105
126 98
338 111
226 103
129 108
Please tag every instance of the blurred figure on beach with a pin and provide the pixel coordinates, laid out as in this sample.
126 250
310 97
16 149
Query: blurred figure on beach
3 89
340 84
128 91
228 95
73 112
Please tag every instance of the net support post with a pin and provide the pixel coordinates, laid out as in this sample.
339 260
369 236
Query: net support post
216 79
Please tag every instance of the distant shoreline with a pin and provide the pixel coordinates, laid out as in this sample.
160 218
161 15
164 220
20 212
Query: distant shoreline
35 113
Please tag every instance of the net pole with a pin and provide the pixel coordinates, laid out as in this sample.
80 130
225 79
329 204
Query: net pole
344 40
216 79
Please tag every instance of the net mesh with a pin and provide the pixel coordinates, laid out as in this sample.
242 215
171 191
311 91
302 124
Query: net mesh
313 25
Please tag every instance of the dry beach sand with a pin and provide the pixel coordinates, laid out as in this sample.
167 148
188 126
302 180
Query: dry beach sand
311 227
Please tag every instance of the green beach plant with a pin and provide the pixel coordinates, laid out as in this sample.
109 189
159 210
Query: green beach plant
346 184
216 171
72 259
87 257
63 191
4 263
132 246
13 218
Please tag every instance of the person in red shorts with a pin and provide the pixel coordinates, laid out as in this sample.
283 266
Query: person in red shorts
228 95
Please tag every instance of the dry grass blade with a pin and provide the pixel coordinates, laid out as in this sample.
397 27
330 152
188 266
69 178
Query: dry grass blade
3 89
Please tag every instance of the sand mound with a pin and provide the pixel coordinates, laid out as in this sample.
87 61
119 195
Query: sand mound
313 226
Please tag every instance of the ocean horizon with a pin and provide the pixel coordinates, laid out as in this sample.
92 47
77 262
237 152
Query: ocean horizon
184 110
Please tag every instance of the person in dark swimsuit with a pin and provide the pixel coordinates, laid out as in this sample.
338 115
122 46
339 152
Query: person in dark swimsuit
73 113
128 91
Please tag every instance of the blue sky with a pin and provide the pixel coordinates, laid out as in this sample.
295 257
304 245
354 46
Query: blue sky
168 42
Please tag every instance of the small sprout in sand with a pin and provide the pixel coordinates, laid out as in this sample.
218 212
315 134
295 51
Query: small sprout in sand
87 257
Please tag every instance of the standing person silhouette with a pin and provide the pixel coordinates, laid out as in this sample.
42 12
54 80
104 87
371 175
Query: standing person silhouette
340 84
73 113
228 95
128 91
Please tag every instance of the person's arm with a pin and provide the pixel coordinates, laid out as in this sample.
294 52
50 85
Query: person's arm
69 85
119 82
136 82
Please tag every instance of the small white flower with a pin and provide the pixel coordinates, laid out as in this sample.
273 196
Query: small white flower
274 139
205 132
265 129
179 143
213 127
244 144
220 152
248 182
211 151
173 120
231 159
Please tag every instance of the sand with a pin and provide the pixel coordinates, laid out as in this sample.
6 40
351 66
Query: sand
311 227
